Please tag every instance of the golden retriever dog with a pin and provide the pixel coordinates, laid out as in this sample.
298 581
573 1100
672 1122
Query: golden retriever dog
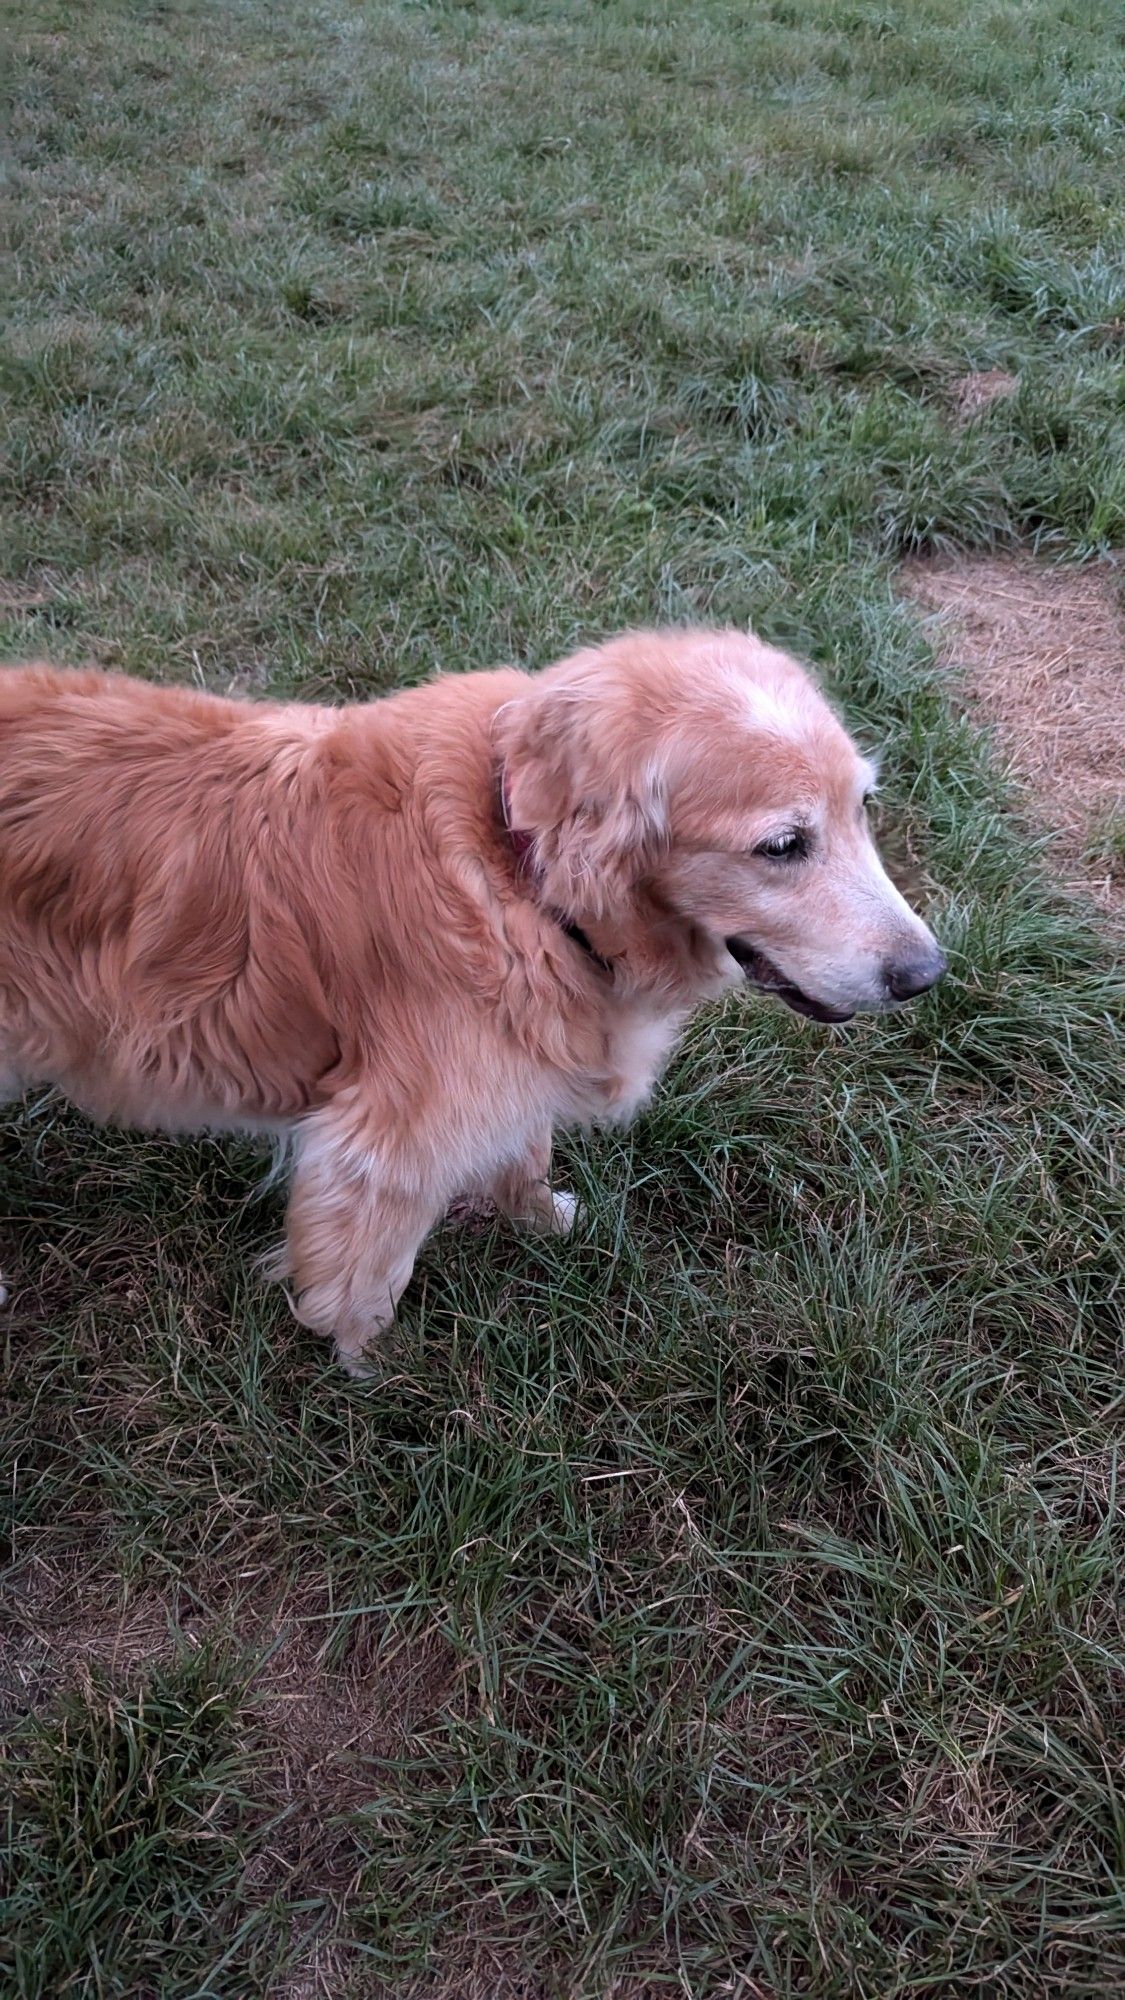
412 937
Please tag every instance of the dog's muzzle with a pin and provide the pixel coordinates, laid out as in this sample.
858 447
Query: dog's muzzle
762 973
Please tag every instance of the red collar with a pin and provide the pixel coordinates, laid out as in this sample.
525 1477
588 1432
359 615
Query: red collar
522 843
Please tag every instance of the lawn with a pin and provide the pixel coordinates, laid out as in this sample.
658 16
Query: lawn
728 1602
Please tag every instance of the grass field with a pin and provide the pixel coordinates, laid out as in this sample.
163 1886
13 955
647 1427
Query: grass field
727 1603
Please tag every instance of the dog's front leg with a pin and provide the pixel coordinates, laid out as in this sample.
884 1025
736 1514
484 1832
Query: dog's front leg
354 1226
524 1192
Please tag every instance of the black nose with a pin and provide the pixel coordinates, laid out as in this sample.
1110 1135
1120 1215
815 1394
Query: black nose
907 977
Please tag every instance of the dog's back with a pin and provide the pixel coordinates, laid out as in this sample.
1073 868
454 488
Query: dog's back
149 964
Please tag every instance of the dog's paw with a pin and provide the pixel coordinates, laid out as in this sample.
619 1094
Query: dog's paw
566 1212
358 1365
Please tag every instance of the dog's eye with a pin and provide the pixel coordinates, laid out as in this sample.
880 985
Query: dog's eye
791 846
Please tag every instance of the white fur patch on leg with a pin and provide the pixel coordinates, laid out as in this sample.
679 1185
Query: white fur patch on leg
566 1210
5 1294
355 1364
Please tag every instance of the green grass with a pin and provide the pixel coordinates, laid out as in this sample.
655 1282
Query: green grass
728 1602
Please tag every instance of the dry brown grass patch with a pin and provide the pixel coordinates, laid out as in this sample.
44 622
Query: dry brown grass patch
975 392
1041 651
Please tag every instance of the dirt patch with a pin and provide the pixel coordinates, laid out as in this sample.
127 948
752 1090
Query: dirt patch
331 1735
467 1970
21 597
973 393
366 1710
65 1619
1041 654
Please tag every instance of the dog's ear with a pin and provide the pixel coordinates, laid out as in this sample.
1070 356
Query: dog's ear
592 808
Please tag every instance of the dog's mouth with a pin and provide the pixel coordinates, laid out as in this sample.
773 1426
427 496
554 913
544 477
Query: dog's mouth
762 973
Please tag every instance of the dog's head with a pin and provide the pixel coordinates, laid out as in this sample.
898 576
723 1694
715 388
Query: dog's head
701 779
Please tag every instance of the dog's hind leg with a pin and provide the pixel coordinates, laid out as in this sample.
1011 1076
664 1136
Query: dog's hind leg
12 1087
523 1192
12 1081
